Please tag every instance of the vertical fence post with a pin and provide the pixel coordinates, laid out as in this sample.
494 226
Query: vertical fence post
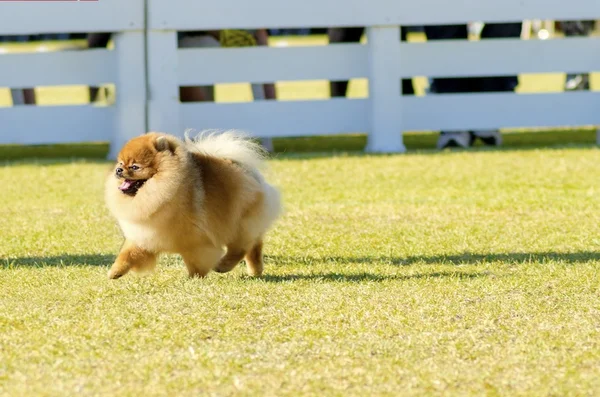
163 82
130 89
384 90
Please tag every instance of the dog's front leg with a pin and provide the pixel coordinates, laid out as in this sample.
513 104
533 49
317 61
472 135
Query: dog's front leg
131 257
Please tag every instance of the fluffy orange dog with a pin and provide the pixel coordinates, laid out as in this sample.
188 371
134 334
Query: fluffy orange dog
202 198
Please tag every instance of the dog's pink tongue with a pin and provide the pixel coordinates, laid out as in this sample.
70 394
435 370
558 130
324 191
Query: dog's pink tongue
126 184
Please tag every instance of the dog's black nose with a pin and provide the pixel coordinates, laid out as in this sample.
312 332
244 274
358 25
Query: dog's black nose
119 171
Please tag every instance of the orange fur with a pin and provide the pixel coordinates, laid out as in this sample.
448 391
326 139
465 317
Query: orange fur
205 200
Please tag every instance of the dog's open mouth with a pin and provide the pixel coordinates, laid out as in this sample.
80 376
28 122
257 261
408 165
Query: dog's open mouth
131 187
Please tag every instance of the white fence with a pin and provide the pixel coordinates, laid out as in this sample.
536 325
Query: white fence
162 67
124 66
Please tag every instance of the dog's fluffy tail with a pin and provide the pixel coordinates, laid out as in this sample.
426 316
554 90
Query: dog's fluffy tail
231 144
237 146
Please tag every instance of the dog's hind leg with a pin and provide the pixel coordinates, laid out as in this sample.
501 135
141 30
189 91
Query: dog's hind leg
254 260
231 259
236 251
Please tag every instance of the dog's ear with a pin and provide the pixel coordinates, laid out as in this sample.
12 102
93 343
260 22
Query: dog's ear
164 143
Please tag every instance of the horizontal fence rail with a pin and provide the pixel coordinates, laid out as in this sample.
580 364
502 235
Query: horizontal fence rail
348 61
54 16
507 110
57 124
495 57
229 14
452 112
266 64
58 68
279 119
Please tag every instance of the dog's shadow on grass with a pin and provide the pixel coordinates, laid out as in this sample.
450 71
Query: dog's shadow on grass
514 258
467 258
370 277
58 260
335 275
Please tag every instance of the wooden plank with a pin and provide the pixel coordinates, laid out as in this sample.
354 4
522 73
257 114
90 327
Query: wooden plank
500 110
57 68
347 61
228 14
385 117
35 17
279 118
499 57
163 91
31 125
130 116
429 113
269 64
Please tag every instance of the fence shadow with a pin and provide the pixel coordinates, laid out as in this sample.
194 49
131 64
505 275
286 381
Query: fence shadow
466 258
334 275
59 260
106 260
370 277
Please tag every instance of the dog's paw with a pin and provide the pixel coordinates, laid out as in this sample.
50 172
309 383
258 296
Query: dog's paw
114 274
255 273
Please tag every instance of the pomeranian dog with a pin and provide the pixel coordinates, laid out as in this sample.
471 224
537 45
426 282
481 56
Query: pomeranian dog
203 198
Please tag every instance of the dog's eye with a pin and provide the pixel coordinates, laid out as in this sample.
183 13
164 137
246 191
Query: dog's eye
135 167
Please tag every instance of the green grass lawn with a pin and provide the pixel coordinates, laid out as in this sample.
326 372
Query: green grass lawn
454 273
428 273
